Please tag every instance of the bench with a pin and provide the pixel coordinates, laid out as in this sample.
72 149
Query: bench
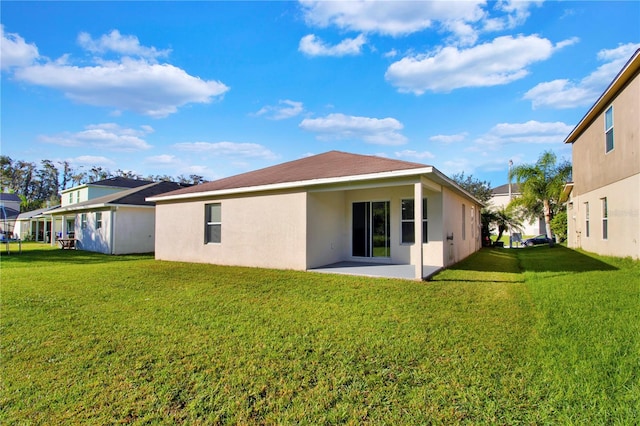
67 243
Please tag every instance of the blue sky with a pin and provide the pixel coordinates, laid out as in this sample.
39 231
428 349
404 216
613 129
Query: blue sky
220 88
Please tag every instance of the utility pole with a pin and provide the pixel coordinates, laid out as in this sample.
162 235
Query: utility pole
510 233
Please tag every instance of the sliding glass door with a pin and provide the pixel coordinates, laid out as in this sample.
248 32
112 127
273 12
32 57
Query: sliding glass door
371 229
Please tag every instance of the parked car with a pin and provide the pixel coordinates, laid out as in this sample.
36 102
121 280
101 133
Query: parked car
540 239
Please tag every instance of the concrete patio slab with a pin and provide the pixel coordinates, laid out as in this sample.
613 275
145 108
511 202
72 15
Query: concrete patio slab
379 270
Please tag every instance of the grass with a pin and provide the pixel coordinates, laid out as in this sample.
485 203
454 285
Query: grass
534 336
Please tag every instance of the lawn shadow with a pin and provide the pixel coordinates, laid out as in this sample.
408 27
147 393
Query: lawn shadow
37 252
560 259
508 265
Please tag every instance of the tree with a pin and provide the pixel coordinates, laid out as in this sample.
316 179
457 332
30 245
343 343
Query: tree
505 219
541 184
559 225
67 174
478 188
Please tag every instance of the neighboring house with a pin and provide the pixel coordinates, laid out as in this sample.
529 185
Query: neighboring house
35 225
603 206
501 197
120 222
322 210
65 223
9 211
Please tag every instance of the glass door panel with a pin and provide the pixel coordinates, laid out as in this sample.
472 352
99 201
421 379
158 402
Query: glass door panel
380 217
371 229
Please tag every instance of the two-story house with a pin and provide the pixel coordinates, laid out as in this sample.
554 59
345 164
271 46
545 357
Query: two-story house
603 206
110 216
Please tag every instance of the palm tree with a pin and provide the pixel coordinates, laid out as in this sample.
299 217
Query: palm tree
541 184
505 219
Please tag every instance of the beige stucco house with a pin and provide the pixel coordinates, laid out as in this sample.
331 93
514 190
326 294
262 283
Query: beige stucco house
322 210
604 198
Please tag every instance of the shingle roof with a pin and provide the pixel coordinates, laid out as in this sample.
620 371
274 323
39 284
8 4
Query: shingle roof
122 182
332 164
34 213
5 196
132 197
504 189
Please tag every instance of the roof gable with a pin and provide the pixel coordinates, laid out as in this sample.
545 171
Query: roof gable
130 197
332 164
630 71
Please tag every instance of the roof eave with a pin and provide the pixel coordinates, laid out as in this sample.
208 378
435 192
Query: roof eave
625 75
295 184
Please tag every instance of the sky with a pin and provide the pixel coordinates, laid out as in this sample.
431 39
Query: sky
218 88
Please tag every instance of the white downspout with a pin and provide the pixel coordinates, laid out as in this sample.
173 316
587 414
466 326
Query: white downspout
112 228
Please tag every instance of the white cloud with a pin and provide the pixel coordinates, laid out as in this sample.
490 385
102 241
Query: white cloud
127 45
447 139
107 136
531 132
235 149
385 131
313 46
563 93
501 61
464 20
386 17
136 84
15 51
285 109
517 11
409 153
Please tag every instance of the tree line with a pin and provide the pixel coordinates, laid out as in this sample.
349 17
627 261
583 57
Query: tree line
39 184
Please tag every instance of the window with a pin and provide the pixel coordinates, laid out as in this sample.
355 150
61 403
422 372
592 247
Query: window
77 196
473 224
586 222
71 198
213 225
408 222
608 129
605 218
83 220
464 230
98 220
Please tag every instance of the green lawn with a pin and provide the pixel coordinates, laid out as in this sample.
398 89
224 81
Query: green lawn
530 336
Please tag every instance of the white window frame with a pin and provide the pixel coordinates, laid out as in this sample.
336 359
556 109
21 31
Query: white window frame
586 220
605 219
608 127
464 222
83 220
424 222
210 222
98 220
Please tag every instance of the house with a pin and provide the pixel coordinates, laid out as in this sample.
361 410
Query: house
9 211
603 201
89 191
502 195
35 225
117 221
330 209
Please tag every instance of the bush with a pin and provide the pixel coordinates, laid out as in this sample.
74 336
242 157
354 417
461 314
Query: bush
559 225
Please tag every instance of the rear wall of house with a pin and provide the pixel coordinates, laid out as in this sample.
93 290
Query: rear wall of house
594 168
266 230
461 230
622 223
134 230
